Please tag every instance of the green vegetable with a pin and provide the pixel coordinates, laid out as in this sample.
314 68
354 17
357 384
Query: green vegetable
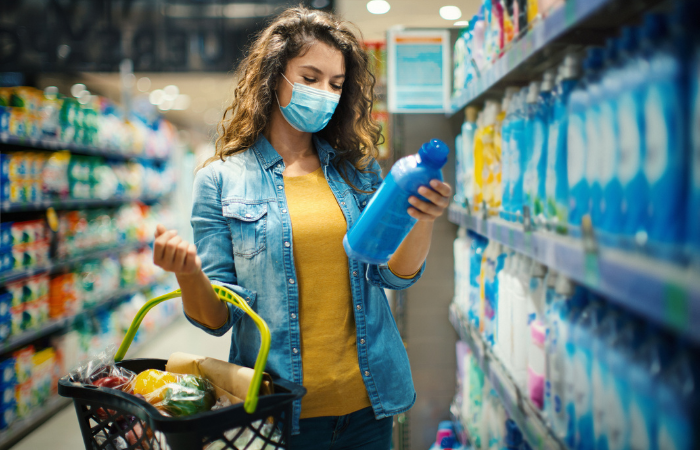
190 395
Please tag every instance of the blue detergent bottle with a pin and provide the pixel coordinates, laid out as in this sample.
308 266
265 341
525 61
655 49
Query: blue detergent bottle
533 142
385 222
610 220
543 116
518 153
666 157
693 230
557 185
577 145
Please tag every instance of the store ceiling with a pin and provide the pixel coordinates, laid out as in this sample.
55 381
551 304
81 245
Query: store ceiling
210 92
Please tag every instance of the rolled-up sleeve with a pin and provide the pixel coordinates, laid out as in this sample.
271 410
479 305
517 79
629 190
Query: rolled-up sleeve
381 275
212 238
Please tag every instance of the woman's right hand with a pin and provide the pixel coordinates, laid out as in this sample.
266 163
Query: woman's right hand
173 254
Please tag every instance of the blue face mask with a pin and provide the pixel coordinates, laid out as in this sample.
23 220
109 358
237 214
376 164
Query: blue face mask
310 109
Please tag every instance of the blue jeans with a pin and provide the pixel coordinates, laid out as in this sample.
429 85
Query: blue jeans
359 430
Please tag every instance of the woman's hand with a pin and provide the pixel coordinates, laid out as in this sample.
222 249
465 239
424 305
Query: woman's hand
439 200
172 253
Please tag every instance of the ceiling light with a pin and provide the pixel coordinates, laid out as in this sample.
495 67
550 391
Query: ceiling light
378 6
171 91
76 89
450 12
156 97
181 102
165 105
461 23
144 84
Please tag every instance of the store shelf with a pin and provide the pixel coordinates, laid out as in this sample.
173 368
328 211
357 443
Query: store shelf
14 342
66 263
662 292
527 57
23 427
517 405
54 145
74 203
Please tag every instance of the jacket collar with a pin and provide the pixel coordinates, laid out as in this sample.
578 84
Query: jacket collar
268 156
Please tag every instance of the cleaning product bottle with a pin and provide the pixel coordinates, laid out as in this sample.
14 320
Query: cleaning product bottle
576 306
479 35
594 142
540 145
550 295
487 299
504 295
508 25
500 148
518 154
532 140
459 171
557 185
468 132
478 198
584 331
532 11
514 437
509 105
579 188
491 170
630 110
384 223
610 221
679 397
479 244
666 157
520 309
536 336
693 228
497 35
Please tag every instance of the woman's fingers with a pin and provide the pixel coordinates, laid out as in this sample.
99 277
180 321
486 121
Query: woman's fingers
428 208
180 256
172 253
170 249
438 200
160 244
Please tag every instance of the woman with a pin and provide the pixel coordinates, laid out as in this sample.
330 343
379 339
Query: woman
293 169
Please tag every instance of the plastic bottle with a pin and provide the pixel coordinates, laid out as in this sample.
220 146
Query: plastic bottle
543 117
518 154
594 142
478 198
584 330
550 295
532 140
635 191
492 160
532 11
508 25
505 317
610 221
509 105
462 247
579 187
504 297
693 229
479 34
557 185
520 310
679 397
574 308
478 246
536 336
666 158
384 223
468 132
459 197
500 148
514 437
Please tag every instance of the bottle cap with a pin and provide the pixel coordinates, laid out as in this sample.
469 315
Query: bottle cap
564 286
538 270
514 438
548 81
629 39
471 113
571 67
612 50
552 278
594 59
533 92
434 153
655 27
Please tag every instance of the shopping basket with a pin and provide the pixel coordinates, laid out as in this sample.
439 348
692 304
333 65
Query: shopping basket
129 422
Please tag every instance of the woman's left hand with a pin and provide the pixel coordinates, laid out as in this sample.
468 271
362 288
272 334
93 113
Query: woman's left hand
438 194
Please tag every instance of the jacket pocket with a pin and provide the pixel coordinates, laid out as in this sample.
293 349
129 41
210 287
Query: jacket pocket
247 220
361 198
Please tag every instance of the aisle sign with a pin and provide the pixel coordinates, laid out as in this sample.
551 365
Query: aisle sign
418 71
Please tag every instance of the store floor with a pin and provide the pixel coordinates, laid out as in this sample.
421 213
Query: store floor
62 431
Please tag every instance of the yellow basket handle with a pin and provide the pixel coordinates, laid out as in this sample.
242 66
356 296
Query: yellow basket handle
251 400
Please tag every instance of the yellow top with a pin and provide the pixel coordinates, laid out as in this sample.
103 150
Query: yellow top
330 367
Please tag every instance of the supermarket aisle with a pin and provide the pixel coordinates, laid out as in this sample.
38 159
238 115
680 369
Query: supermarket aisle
62 431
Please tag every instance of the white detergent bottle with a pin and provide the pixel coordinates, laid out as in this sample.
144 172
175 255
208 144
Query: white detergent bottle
503 294
550 295
520 324
536 335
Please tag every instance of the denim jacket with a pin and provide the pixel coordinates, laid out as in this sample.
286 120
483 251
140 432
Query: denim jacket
243 233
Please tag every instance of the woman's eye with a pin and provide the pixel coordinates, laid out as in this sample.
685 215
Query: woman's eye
309 80
336 87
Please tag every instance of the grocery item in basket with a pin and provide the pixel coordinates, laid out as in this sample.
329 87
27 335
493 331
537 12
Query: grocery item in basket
186 396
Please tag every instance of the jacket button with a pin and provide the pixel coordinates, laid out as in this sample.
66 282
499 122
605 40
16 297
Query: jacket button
279 187
366 373
295 350
291 281
248 216
287 244
359 307
354 273
284 211
342 203
362 341
364 203
294 316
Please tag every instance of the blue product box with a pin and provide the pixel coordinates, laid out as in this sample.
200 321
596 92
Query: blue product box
7 395
5 304
4 166
8 373
4 120
8 414
5 329
7 261
4 190
5 235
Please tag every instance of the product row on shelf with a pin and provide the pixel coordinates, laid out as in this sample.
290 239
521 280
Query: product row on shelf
30 245
29 376
593 375
28 177
607 136
52 120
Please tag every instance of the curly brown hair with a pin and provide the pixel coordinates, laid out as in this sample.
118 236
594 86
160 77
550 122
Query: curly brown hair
352 131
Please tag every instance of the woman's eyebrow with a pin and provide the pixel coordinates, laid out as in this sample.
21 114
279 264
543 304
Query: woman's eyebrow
319 71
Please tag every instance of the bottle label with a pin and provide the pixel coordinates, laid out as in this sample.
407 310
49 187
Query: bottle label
656 159
551 182
514 159
593 143
630 139
675 432
640 423
576 149
615 413
599 391
608 149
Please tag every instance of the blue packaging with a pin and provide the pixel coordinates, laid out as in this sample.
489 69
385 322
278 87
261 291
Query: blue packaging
385 222
5 235
476 251
5 304
8 414
694 203
666 158
459 196
556 184
518 155
575 307
8 373
543 117
534 137
578 149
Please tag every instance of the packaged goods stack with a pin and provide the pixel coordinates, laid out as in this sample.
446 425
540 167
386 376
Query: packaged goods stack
81 192
576 263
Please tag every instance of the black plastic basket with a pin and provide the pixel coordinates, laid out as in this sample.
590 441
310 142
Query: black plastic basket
113 420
